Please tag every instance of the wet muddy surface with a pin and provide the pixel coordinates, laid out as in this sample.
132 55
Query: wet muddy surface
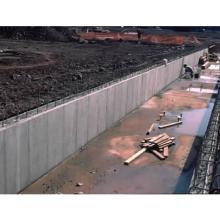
99 166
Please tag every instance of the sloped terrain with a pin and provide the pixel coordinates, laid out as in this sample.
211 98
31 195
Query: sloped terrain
40 72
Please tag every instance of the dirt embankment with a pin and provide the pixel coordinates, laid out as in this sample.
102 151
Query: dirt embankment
37 73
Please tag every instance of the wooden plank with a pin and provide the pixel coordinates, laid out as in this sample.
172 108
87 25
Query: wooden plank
166 144
169 125
158 154
157 137
163 139
150 129
166 151
135 156
147 145
147 139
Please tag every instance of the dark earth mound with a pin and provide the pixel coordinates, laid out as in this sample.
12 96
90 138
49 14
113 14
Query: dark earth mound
41 72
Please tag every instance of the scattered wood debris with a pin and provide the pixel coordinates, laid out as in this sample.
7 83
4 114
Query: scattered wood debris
170 124
150 129
158 145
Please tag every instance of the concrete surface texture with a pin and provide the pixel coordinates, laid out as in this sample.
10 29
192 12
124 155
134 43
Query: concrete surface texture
31 147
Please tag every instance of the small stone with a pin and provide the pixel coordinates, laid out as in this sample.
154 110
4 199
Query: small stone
29 76
79 184
79 192
79 76
74 78
92 171
101 69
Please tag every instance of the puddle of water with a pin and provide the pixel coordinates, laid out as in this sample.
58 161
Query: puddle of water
198 120
195 121
199 90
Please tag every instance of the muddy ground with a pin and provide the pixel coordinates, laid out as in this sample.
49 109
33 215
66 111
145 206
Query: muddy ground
98 167
40 72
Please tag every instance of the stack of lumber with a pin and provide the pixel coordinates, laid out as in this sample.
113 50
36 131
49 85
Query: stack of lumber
158 145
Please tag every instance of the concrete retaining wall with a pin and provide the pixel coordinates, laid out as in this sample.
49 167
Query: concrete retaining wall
31 147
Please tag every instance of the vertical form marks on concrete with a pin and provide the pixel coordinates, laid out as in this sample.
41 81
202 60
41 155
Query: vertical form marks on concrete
160 76
150 84
55 137
144 86
110 106
11 157
82 121
23 162
155 88
130 95
123 106
38 134
139 89
69 129
93 116
102 108
2 163
118 102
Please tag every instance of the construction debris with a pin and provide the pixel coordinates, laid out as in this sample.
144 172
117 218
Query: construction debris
150 129
170 124
161 115
158 145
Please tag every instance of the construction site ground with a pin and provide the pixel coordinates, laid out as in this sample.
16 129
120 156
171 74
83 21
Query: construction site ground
39 72
98 167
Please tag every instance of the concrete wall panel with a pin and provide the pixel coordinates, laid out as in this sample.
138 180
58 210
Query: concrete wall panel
135 93
11 157
93 116
55 137
118 102
69 129
102 108
150 83
139 89
82 121
130 96
161 77
38 137
23 165
110 106
154 83
123 106
2 163
146 86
